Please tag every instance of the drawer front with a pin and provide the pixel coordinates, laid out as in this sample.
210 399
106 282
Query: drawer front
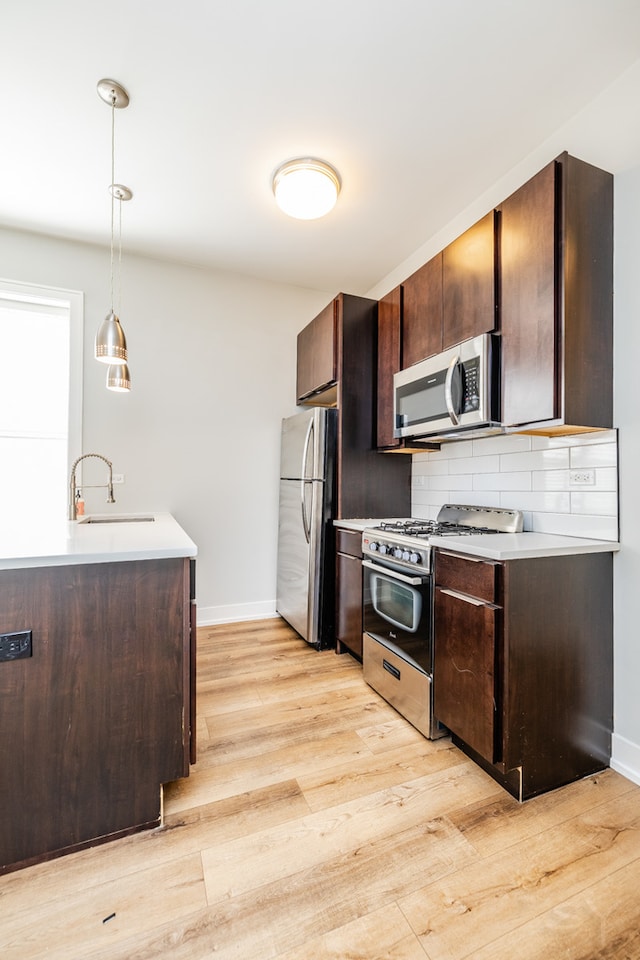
349 542
477 578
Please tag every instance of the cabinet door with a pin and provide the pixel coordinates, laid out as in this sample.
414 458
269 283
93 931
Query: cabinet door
528 301
389 319
349 595
468 278
464 682
317 366
422 313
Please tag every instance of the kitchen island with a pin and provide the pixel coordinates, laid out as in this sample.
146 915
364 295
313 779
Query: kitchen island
97 642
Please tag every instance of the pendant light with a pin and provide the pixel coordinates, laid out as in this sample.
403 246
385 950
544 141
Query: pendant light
111 344
306 188
118 378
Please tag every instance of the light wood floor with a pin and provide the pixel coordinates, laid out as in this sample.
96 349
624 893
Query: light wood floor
319 824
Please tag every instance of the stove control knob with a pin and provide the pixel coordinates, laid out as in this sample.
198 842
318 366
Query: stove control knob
373 545
414 558
398 553
405 554
383 548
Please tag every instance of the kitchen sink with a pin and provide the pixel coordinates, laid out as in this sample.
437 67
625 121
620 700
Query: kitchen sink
131 519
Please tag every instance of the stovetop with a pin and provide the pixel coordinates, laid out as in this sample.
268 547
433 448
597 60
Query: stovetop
405 543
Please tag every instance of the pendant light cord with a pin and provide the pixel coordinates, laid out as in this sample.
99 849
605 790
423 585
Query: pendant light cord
113 137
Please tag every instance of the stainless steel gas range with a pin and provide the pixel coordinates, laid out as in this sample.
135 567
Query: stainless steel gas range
397 655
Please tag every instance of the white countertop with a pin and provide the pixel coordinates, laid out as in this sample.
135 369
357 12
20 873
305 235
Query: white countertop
38 543
519 546
506 546
361 524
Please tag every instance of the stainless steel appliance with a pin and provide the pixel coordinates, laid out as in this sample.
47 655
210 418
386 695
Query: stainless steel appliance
452 391
397 649
305 589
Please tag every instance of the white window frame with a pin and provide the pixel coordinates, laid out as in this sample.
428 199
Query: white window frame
73 300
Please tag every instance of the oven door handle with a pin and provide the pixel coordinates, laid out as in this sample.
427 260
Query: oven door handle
393 574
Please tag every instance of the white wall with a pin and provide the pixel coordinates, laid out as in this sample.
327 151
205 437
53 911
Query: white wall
627 417
607 134
212 359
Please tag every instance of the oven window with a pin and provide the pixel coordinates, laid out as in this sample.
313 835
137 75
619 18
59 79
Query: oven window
399 604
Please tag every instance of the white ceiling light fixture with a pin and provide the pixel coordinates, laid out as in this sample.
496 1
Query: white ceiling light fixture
306 188
111 344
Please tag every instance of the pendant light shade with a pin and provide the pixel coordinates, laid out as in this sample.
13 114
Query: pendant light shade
306 188
118 378
111 343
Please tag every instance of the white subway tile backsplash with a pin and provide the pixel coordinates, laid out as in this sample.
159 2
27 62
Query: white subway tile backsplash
575 525
430 467
606 478
502 481
528 473
600 455
544 501
550 479
462 482
475 465
513 443
595 504
552 459
574 440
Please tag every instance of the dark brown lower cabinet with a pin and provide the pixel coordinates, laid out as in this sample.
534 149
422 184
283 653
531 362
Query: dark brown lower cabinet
349 592
98 717
523 665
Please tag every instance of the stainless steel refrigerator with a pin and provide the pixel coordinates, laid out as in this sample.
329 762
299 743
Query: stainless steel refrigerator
305 588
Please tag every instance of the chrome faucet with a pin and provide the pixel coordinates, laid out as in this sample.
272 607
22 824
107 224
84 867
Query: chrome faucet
73 487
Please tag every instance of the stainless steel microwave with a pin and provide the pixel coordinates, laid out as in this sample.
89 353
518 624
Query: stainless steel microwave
453 391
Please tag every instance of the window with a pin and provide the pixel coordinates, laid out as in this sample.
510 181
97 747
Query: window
40 398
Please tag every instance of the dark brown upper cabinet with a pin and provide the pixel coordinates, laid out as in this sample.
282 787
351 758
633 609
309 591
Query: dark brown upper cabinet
368 484
390 352
317 360
389 362
453 296
421 317
469 284
556 299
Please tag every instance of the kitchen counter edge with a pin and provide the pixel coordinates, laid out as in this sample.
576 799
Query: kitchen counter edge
71 542
522 546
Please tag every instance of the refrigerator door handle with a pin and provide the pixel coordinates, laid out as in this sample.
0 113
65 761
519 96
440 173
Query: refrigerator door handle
306 525
305 451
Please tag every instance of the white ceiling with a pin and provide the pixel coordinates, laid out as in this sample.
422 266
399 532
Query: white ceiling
420 104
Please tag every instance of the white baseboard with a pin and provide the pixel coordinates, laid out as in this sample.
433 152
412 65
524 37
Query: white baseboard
236 612
625 758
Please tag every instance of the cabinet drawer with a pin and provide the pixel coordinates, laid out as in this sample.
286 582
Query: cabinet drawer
349 542
477 578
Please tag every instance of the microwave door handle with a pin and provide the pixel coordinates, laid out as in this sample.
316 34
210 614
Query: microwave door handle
448 391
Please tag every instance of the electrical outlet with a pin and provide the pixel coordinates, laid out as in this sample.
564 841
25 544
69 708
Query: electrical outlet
418 480
581 477
118 478
15 646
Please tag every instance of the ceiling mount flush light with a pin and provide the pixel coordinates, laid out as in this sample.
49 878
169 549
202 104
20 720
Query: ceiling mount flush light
306 188
111 344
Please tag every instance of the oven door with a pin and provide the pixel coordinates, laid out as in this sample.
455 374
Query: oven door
397 612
